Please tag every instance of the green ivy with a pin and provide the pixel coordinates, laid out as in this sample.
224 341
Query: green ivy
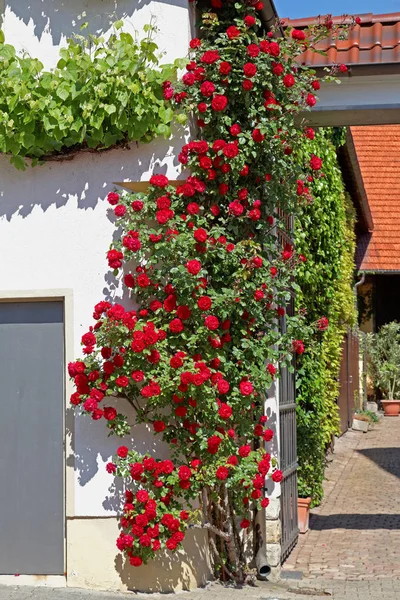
102 93
325 235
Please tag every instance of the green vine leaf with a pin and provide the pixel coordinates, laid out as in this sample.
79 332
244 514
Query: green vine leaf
100 94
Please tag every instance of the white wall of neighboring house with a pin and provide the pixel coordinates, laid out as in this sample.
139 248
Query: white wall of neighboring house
55 229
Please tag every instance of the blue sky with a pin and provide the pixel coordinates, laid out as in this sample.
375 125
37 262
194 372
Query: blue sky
308 8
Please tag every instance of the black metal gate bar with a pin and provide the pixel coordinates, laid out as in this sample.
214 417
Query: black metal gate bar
287 426
288 462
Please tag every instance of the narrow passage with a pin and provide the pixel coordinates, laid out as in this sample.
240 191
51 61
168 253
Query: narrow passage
355 533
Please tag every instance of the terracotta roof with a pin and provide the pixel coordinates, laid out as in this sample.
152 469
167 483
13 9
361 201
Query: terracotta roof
378 153
375 40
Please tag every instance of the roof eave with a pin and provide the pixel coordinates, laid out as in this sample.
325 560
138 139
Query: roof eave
350 155
269 16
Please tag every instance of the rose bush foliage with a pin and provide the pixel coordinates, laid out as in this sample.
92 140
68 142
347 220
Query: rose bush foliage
211 268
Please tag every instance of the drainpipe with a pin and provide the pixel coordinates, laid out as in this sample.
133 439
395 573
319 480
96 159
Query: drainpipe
358 283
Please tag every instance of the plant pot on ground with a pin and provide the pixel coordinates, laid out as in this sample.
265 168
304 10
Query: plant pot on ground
384 365
391 408
303 514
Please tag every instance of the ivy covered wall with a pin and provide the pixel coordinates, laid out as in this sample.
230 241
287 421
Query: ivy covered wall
325 235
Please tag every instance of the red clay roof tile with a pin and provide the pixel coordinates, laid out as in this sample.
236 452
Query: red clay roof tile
378 153
375 40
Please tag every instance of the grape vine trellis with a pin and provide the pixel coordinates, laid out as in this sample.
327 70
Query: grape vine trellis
195 359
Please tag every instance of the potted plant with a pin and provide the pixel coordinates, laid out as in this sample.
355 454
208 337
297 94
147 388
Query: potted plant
384 365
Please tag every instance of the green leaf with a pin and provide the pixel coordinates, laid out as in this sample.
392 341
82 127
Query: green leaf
63 91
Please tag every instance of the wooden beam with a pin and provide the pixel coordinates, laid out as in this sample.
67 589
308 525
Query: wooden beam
143 186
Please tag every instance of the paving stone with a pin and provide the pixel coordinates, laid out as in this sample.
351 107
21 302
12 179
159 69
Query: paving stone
355 533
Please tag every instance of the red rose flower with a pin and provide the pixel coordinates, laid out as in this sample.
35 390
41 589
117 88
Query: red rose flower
213 444
193 266
249 69
209 57
184 473
322 323
225 68
246 388
223 386
268 435
122 381
122 451
232 32
249 21
158 426
298 34
200 235
253 50
309 133
315 86
207 88
235 130
289 81
113 198
298 346
204 303
176 326
211 323
315 162
247 85
120 210
245 523
195 43
219 103
159 181
271 369
110 413
311 100
257 135
193 208
114 259
244 451
277 476
225 411
222 473
277 69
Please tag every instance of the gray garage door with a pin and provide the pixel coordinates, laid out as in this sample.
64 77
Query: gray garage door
31 438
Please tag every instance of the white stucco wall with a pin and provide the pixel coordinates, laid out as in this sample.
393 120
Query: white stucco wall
55 226
40 27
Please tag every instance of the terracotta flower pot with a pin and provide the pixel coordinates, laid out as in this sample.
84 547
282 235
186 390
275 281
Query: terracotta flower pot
303 512
391 408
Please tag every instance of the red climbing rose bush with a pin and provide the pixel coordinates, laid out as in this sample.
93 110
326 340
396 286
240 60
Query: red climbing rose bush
210 268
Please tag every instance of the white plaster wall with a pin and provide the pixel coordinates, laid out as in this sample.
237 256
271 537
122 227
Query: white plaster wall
55 226
41 27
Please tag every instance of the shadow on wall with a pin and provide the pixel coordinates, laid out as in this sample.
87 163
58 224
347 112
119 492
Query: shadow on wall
87 456
60 18
85 180
354 521
170 571
387 459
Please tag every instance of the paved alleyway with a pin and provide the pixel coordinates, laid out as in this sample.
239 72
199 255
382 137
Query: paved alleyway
352 551
355 533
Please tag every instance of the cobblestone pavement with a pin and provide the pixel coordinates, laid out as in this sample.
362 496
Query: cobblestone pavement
384 589
352 551
355 533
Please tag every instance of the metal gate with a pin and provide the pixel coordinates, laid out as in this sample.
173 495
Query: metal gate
288 454
348 380
287 428
288 461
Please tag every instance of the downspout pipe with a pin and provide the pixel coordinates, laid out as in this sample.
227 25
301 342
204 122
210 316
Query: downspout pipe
269 16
